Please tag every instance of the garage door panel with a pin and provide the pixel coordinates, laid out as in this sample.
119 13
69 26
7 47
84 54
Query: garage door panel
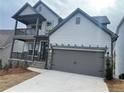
82 62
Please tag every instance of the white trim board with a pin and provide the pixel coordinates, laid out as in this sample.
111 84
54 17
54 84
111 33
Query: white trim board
80 49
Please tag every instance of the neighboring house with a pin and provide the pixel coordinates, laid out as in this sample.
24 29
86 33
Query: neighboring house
119 50
6 37
78 43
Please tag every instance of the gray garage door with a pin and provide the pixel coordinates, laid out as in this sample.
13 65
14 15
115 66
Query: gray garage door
82 62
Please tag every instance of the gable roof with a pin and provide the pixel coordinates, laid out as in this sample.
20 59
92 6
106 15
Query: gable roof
28 18
24 7
102 19
40 2
113 35
121 22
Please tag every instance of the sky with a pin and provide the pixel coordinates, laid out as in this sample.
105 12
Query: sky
113 9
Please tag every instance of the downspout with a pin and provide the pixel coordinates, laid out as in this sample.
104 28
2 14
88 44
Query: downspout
112 55
113 39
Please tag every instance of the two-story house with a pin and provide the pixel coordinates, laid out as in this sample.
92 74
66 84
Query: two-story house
77 44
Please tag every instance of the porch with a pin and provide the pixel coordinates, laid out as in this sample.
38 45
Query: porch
29 44
30 52
27 63
27 56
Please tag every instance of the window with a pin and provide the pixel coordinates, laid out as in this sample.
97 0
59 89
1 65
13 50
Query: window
49 23
77 20
31 46
39 8
34 26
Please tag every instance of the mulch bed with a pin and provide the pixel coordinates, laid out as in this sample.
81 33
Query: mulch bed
13 71
115 85
14 76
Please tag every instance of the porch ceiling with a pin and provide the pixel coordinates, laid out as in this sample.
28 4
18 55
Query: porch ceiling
31 38
42 37
30 19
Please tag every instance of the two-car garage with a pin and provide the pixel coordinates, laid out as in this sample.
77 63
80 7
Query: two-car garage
84 42
81 61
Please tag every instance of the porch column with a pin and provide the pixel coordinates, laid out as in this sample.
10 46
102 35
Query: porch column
37 26
22 54
16 23
35 41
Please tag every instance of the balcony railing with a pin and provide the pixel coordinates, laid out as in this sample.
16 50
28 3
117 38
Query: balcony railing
27 56
27 31
30 31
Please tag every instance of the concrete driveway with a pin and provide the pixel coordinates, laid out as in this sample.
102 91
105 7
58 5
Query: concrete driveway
56 81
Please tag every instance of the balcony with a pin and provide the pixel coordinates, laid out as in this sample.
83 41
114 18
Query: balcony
27 31
25 34
30 34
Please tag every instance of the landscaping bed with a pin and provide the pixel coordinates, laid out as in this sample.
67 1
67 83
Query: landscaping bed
115 85
13 71
14 76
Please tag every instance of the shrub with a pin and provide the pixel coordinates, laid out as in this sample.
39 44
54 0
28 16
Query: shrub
10 64
0 64
109 74
109 70
121 76
25 65
6 67
17 64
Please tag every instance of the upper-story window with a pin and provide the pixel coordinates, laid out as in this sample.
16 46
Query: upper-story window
39 8
49 23
34 26
77 20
